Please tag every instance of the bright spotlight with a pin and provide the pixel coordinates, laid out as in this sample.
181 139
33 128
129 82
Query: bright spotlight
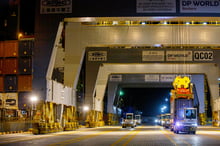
85 108
34 98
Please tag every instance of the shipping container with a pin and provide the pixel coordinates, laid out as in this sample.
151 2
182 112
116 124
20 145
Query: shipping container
24 101
26 48
11 100
24 82
1 66
1 49
1 100
10 83
25 65
179 106
10 48
1 83
10 66
57 93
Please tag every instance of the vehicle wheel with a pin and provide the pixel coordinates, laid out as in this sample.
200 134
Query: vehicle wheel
132 126
193 132
177 132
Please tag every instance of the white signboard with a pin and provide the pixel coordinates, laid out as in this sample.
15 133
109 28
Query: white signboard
55 6
203 55
179 56
156 6
167 78
153 56
97 55
152 78
200 6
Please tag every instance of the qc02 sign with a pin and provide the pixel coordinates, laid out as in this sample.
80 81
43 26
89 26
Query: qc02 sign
203 55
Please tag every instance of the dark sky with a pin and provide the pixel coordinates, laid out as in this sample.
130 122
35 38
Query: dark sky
27 14
148 100
27 17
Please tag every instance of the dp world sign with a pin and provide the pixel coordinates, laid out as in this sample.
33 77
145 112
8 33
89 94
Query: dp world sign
200 6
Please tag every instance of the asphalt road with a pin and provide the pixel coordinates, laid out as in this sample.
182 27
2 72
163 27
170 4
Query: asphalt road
116 136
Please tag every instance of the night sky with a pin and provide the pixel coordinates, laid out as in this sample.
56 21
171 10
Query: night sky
148 100
27 16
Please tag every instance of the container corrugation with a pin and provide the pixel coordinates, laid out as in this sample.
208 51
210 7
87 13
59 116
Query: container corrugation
1 83
24 82
10 48
1 101
10 66
59 94
1 49
10 83
11 100
179 106
26 48
1 66
24 101
25 65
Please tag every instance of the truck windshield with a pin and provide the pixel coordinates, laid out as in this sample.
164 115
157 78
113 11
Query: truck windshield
129 116
190 113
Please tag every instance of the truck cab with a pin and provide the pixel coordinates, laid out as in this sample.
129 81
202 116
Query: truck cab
188 123
129 121
138 119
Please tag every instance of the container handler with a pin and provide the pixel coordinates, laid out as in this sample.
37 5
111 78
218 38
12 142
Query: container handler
129 121
183 111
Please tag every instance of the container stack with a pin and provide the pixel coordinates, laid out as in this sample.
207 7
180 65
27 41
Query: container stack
15 75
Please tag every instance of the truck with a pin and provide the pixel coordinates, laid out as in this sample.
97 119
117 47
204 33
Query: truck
165 120
129 121
138 119
182 107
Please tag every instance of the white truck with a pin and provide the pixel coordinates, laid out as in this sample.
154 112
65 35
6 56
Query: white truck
138 119
129 121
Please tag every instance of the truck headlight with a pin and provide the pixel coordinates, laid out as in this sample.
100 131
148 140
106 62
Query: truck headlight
195 125
178 124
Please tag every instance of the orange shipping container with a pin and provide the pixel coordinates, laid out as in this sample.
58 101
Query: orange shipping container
1 49
10 66
1 83
25 83
10 48
1 66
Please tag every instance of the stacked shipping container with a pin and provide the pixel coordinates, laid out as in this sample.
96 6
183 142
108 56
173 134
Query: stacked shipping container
15 74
